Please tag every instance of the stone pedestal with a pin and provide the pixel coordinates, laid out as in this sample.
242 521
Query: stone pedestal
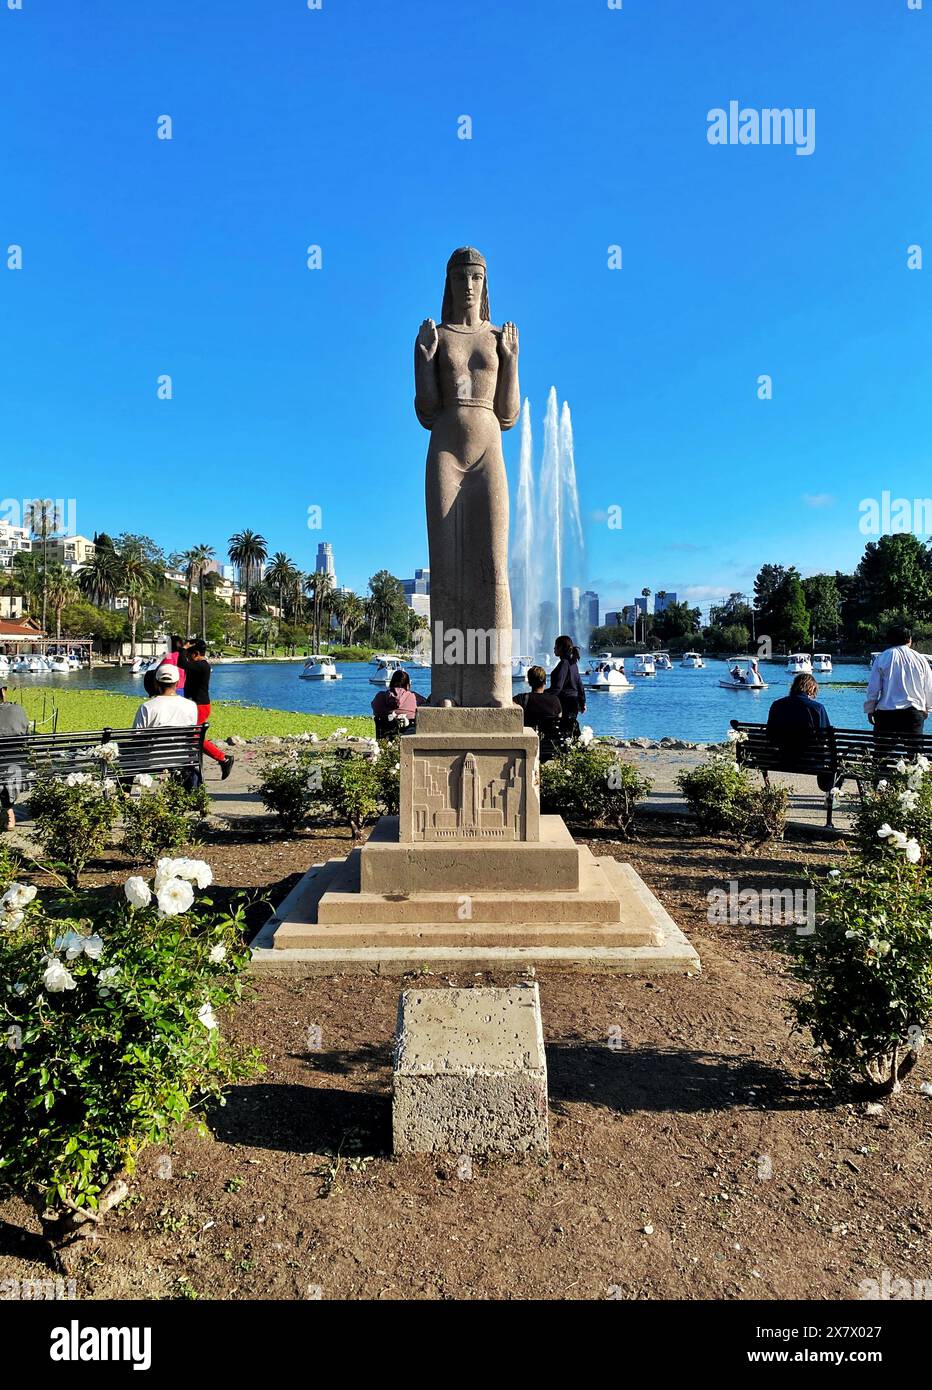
470 871
470 1075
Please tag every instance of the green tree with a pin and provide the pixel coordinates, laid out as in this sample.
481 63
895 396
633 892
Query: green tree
824 604
385 604
781 605
676 621
249 551
43 519
98 579
62 589
136 580
894 575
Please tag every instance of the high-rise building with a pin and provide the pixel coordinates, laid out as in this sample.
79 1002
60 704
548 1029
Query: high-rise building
324 562
663 601
417 593
589 608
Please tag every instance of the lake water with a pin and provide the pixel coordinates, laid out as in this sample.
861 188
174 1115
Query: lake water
680 703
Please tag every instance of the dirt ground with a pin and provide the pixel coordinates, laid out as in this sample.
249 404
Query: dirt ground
700 1158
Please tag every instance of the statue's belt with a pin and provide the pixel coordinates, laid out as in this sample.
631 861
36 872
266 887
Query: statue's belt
472 400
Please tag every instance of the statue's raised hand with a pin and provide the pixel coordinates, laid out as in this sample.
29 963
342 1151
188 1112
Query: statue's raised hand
508 343
428 339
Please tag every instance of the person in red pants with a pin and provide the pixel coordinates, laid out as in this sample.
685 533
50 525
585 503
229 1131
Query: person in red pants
192 658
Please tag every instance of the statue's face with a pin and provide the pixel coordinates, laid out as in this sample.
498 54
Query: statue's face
466 283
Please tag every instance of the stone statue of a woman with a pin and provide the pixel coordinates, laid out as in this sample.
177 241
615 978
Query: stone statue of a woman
466 393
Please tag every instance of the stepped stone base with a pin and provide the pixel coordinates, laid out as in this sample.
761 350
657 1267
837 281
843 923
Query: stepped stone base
613 923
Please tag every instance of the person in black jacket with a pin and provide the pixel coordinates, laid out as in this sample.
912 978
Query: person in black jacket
192 659
795 720
566 684
542 710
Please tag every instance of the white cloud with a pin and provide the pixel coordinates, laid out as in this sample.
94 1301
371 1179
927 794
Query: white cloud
819 499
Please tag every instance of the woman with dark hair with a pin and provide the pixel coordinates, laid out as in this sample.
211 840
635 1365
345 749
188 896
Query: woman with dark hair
566 684
393 709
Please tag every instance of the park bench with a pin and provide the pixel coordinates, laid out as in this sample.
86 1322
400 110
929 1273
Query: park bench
26 758
833 755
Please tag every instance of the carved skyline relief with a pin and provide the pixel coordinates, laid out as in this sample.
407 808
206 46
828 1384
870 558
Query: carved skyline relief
462 796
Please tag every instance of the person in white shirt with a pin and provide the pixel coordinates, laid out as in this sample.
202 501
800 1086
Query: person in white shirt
899 692
167 708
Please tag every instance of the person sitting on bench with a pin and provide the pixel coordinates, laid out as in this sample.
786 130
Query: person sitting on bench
794 719
542 710
14 723
166 708
395 707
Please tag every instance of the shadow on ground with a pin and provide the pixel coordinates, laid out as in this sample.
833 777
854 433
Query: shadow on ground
631 1079
305 1119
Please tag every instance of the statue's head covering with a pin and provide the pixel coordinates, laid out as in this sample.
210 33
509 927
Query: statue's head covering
465 255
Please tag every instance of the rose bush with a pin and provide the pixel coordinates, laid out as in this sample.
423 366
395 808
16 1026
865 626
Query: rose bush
111 1036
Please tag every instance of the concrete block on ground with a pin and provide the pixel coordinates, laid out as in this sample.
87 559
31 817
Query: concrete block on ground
470 1075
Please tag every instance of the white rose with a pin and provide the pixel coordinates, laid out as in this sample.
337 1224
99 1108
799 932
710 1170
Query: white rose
143 780
93 946
912 851
165 870
195 871
315 738
18 895
174 897
205 1015
884 831
57 978
585 736
834 873
10 920
137 891
882 785
107 752
217 954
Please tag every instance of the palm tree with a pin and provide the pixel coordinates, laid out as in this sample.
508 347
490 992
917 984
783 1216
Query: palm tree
202 556
249 551
26 572
136 582
62 590
386 597
279 575
323 597
98 578
43 518
645 593
187 563
355 616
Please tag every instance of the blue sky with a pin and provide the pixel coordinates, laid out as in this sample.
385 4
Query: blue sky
338 127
